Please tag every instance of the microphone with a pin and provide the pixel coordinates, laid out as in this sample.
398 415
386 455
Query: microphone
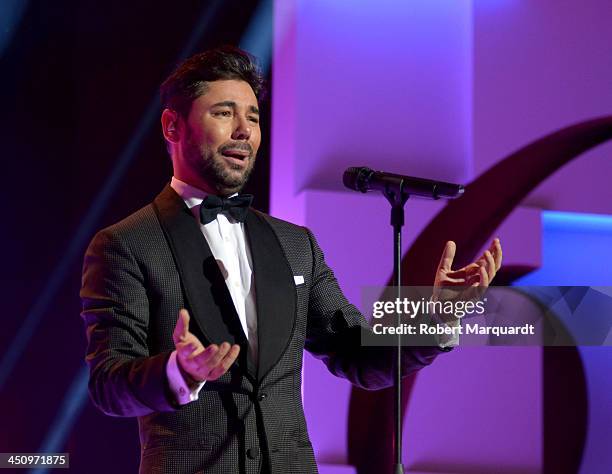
364 179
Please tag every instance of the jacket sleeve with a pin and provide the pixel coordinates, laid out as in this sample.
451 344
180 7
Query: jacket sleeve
124 379
334 334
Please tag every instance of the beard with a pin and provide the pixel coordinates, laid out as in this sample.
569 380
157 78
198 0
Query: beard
224 177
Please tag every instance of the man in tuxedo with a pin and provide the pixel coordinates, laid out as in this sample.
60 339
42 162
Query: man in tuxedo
198 307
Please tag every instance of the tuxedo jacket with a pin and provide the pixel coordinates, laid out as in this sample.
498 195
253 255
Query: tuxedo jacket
139 272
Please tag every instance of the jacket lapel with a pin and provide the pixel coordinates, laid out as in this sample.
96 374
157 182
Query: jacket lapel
275 292
206 293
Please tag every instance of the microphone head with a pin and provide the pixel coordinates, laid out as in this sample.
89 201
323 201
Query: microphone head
356 178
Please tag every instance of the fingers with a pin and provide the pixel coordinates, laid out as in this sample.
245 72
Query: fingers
188 350
478 274
448 255
181 330
484 277
212 356
491 261
225 363
201 363
453 281
490 266
210 363
497 253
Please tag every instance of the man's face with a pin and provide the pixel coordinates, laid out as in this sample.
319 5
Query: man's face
221 137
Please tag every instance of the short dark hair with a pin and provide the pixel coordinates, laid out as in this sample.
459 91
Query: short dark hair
189 80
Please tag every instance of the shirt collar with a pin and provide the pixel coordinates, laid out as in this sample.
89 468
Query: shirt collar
190 194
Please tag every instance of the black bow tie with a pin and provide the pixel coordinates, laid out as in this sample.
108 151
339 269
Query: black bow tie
236 206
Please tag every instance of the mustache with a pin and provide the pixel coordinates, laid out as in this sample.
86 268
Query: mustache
236 146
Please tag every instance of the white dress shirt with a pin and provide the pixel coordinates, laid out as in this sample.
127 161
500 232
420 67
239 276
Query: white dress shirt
227 241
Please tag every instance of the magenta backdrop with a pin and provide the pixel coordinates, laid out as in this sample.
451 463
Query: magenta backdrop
440 89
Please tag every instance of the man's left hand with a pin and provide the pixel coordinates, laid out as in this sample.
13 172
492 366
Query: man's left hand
477 275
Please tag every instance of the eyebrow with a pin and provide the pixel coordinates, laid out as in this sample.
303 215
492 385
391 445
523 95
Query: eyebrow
232 104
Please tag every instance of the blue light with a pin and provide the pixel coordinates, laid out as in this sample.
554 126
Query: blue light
577 221
11 13
257 39
576 249
68 414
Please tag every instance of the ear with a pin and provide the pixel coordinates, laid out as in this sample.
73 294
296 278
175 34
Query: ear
170 122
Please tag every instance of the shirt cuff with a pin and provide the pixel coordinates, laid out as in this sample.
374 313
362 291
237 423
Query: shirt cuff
448 341
182 392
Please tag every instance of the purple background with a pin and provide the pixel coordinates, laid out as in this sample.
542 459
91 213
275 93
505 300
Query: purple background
444 90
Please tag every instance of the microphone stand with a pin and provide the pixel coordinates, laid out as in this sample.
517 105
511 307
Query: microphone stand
397 201
397 189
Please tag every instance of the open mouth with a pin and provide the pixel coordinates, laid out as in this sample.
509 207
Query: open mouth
236 156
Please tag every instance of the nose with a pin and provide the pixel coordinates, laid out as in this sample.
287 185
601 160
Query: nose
242 129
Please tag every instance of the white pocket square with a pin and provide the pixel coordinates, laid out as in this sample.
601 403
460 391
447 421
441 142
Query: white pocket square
299 279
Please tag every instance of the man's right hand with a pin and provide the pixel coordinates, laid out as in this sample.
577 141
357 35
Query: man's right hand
196 361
